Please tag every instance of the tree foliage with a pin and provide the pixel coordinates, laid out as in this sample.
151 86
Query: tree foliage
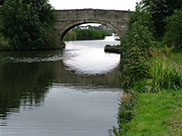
140 32
25 22
160 9
173 35
142 17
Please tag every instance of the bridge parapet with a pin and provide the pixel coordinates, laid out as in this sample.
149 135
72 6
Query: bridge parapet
92 14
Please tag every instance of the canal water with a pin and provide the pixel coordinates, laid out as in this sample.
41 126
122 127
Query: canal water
73 92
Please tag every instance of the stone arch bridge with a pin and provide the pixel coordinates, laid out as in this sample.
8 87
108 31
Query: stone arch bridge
68 19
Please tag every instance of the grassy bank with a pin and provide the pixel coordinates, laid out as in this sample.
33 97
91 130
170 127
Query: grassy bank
176 56
152 72
157 113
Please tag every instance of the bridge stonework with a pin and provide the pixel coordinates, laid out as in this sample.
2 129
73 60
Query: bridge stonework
67 19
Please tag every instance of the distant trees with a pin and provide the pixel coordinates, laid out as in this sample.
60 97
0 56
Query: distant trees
26 23
85 34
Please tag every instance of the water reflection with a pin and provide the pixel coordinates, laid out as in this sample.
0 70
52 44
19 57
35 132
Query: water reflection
23 83
89 57
27 82
69 93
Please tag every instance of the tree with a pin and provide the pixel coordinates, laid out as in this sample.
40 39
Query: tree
25 23
43 9
174 29
142 17
160 9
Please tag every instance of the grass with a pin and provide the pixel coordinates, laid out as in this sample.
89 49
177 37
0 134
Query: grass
176 56
172 53
156 114
159 113
165 74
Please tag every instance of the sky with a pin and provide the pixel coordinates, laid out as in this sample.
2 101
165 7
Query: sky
95 4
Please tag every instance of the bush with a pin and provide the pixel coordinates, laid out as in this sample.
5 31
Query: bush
137 35
26 23
136 48
174 29
135 68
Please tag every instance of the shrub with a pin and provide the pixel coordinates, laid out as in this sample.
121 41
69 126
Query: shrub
174 29
135 68
137 35
136 48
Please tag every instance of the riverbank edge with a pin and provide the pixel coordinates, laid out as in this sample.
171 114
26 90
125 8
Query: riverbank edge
154 114
5 46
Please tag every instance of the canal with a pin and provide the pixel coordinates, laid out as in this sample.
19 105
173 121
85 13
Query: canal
73 92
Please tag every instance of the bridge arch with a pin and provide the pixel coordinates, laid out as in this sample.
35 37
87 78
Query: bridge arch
71 26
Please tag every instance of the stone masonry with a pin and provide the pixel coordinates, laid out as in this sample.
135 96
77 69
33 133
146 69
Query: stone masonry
68 19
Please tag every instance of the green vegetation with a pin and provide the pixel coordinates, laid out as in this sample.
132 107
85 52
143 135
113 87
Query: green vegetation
174 30
4 43
156 106
112 49
151 71
160 9
176 56
135 48
125 114
165 75
27 24
156 114
85 34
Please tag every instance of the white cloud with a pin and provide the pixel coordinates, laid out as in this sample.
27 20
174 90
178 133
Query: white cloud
96 4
